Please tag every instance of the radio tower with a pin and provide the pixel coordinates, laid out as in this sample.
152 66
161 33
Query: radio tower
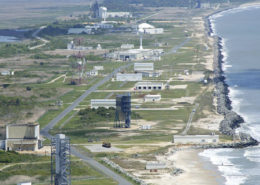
60 160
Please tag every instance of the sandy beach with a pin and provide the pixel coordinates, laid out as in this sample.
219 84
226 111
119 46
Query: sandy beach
196 171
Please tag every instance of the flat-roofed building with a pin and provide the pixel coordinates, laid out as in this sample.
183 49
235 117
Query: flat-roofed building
136 54
24 183
119 14
149 29
151 74
102 12
127 46
197 139
106 103
148 86
152 97
143 67
92 73
98 68
21 137
129 77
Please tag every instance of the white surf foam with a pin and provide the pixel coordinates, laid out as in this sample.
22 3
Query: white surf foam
236 101
228 170
233 11
253 154
213 18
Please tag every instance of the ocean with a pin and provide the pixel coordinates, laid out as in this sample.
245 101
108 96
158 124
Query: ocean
8 39
240 32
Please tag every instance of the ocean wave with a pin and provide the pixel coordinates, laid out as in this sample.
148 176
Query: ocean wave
226 66
253 154
213 18
228 170
233 11
236 102
254 131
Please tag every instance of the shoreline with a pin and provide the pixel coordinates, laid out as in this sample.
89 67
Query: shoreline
232 120
228 125
196 170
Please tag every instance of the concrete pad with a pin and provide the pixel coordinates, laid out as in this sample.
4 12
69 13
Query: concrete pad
99 148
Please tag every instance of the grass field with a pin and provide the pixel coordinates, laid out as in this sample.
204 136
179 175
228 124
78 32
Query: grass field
30 13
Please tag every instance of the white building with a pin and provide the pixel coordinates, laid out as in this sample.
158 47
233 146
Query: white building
119 14
127 46
143 67
21 137
102 12
149 29
24 183
92 73
145 127
151 74
98 68
196 139
130 77
136 54
7 73
155 165
152 97
72 46
99 47
148 86
106 103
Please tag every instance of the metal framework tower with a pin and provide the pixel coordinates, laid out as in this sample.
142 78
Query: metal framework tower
123 111
60 160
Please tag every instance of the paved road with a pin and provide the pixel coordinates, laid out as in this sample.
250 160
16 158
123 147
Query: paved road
35 36
50 125
190 119
100 167
74 151
176 48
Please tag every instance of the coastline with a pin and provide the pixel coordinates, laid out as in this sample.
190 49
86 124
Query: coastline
228 125
196 169
232 120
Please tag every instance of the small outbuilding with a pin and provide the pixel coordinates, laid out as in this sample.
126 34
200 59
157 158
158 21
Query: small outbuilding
21 137
106 103
148 86
98 68
127 46
152 97
92 73
149 29
129 77
143 67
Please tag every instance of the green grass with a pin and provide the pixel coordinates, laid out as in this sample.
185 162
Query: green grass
105 181
14 157
42 171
